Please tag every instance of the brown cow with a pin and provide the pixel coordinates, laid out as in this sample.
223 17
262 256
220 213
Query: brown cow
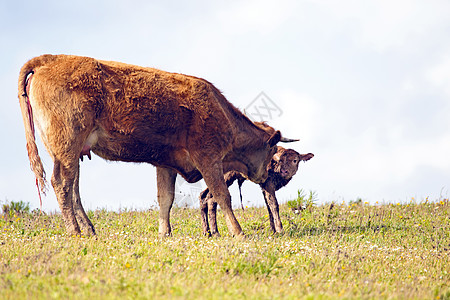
281 169
122 112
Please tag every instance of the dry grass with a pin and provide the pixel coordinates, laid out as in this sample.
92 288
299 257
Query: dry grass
346 251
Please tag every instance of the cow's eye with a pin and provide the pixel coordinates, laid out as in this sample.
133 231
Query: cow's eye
295 161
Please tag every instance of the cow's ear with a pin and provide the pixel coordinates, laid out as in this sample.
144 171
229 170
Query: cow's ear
274 139
306 157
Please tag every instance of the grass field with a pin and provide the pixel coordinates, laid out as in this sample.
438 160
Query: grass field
346 251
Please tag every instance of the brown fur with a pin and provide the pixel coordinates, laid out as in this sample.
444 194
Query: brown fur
179 123
282 167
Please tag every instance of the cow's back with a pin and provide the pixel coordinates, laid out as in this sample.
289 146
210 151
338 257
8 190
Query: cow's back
130 99
156 100
144 114
172 108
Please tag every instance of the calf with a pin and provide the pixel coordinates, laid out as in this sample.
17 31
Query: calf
281 169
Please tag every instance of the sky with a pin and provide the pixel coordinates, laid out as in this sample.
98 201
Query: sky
364 85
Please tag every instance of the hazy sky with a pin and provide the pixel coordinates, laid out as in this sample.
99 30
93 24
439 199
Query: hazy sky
365 85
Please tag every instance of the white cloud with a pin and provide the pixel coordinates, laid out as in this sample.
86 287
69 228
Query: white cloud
439 75
301 115
262 17
385 24
362 84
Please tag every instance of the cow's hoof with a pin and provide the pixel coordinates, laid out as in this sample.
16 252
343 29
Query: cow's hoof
74 232
88 231
240 237
163 235
215 234
279 232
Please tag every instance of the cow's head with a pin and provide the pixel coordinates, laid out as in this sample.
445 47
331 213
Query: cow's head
258 158
258 154
285 162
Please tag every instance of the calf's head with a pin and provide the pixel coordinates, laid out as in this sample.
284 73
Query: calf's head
285 162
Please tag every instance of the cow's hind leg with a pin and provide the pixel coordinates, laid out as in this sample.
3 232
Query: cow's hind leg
83 221
165 179
63 179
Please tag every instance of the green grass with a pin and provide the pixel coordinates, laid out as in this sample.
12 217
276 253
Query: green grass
11 208
355 251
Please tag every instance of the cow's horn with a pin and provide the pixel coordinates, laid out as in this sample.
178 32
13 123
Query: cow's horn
286 140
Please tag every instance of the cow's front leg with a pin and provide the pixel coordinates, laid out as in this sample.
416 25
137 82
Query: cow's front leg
165 179
214 178
273 208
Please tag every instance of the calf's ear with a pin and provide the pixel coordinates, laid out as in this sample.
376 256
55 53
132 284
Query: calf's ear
276 156
306 157
274 139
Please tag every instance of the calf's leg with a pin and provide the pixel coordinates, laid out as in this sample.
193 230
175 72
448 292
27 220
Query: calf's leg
204 212
273 209
165 179
208 212
212 214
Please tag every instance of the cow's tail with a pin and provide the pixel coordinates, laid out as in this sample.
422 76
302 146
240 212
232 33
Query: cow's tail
25 76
